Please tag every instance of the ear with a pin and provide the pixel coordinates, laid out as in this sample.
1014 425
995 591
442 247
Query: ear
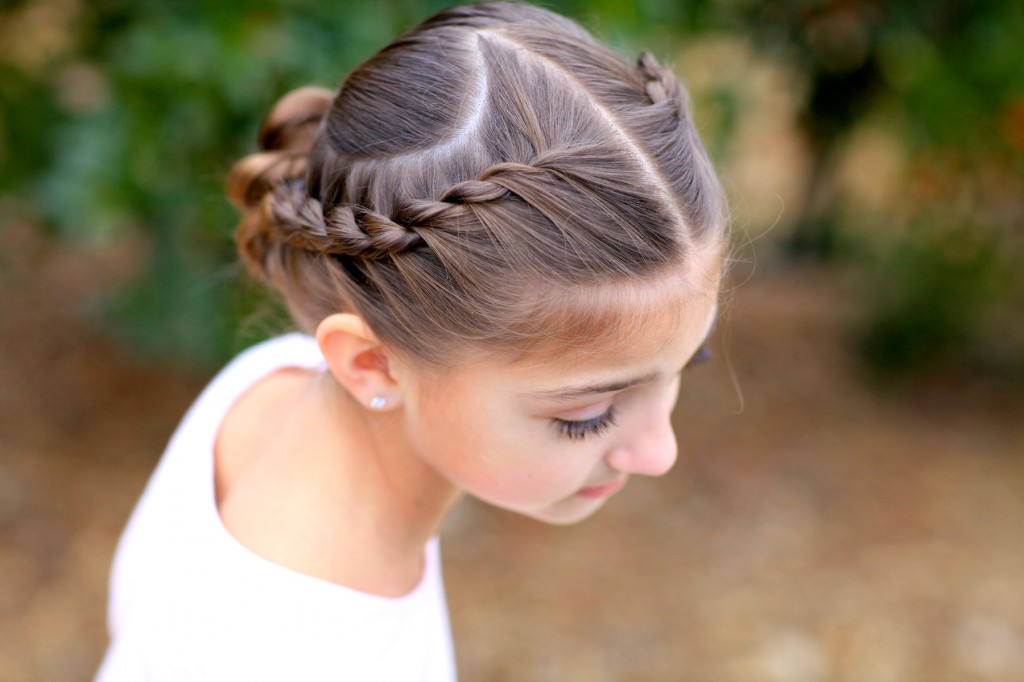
358 361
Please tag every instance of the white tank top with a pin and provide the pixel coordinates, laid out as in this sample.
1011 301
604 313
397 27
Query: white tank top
189 602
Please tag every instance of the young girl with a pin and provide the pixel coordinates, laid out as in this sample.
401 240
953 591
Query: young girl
502 244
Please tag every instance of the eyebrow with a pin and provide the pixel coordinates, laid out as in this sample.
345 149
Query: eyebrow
611 386
588 389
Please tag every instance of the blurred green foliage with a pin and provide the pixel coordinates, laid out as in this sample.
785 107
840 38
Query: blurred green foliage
938 277
134 125
120 119
937 301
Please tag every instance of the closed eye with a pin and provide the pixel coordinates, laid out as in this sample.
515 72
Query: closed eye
578 430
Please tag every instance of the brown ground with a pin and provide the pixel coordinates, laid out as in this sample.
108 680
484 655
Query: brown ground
827 531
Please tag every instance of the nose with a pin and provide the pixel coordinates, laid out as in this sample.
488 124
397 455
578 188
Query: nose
651 451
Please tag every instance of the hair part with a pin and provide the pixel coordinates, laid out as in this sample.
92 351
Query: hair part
472 178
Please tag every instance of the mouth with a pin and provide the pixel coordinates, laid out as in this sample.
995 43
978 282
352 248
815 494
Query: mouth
604 490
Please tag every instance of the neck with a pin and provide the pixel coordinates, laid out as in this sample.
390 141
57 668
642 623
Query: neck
380 482
309 479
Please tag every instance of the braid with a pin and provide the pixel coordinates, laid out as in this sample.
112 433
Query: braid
340 230
450 206
285 138
355 231
361 233
691 175
661 84
358 232
493 152
474 191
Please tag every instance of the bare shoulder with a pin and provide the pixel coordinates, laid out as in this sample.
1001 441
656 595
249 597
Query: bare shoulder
247 424
290 499
266 488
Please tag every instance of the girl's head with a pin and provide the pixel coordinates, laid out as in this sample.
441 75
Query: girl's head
492 187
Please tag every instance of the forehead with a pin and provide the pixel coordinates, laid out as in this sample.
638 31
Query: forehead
630 318
661 345
639 339
592 330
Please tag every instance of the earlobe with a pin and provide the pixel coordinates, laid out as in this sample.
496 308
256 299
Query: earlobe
357 360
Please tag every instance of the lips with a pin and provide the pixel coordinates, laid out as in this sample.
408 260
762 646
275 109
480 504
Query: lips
603 490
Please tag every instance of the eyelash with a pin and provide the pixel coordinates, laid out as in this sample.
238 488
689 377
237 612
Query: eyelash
578 430
702 356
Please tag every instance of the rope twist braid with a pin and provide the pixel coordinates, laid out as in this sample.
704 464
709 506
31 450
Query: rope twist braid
360 233
273 182
660 83
340 230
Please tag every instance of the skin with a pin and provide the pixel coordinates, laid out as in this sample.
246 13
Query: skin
491 431
311 478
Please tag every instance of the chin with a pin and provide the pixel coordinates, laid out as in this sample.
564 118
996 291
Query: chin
565 513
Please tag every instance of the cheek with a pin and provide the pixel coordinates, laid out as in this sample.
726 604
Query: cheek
455 435
507 461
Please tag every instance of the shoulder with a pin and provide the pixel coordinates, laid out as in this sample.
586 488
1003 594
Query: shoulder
284 491
254 385
246 425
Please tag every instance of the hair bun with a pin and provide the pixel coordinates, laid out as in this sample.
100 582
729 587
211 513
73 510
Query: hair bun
285 137
292 124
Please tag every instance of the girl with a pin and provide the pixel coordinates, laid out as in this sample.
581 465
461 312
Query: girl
502 244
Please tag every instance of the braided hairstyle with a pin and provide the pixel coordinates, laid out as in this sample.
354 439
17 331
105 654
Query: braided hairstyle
474 183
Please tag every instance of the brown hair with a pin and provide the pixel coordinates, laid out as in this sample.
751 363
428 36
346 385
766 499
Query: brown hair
470 184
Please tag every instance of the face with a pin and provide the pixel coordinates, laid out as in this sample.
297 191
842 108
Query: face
554 440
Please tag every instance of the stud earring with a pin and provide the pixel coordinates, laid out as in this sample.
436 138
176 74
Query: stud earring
378 402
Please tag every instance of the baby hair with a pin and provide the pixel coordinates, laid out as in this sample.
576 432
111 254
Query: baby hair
480 184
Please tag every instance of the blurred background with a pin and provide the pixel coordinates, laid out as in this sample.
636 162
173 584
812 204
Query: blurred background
849 504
